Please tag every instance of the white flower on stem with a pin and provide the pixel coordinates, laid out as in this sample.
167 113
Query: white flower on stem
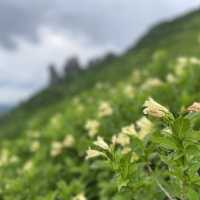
35 146
56 149
92 126
145 127
92 153
152 82
80 196
171 78
105 109
126 150
195 107
123 139
152 108
194 61
14 159
102 144
4 157
68 141
136 76
134 157
28 165
129 91
114 140
129 130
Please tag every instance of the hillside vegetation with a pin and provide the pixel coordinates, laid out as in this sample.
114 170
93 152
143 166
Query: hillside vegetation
44 141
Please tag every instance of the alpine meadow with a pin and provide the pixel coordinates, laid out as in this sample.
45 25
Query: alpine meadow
127 128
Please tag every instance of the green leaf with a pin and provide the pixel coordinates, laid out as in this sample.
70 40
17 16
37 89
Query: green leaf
194 135
166 142
192 194
181 127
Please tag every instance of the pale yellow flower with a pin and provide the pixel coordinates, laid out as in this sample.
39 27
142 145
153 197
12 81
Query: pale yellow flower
126 150
123 139
194 61
35 146
171 78
182 63
92 153
129 130
145 127
105 109
182 60
92 126
80 196
4 157
114 140
28 165
68 141
195 107
56 120
129 91
151 82
56 148
134 157
136 76
154 109
101 143
14 159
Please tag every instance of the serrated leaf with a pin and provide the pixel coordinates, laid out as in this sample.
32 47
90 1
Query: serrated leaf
192 194
166 142
181 127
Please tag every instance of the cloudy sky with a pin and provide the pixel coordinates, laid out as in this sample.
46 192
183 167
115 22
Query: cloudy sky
34 33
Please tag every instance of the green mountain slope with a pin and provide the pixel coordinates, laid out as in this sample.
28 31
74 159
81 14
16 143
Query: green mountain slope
43 141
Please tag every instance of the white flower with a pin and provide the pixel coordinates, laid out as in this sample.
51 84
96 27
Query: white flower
145 127
68 141
28 165
35 146
126 150
152 82
105 109
195 107
194 61
171 78
182 60
4 157
80 196
92 153
101 143
14 159
181 65
55 120
129 91
123 139
92 126
154 109
129 130
136 76
134 157
56 149
114 140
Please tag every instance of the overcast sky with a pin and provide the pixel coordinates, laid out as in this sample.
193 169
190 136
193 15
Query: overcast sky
34 33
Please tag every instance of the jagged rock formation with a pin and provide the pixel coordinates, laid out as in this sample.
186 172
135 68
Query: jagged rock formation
54 77
72 66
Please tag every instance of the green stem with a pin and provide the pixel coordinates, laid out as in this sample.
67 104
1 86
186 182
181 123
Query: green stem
160 185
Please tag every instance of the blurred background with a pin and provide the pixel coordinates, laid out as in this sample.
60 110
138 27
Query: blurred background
42 40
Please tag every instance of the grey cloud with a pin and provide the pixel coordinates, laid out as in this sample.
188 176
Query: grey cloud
116 22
